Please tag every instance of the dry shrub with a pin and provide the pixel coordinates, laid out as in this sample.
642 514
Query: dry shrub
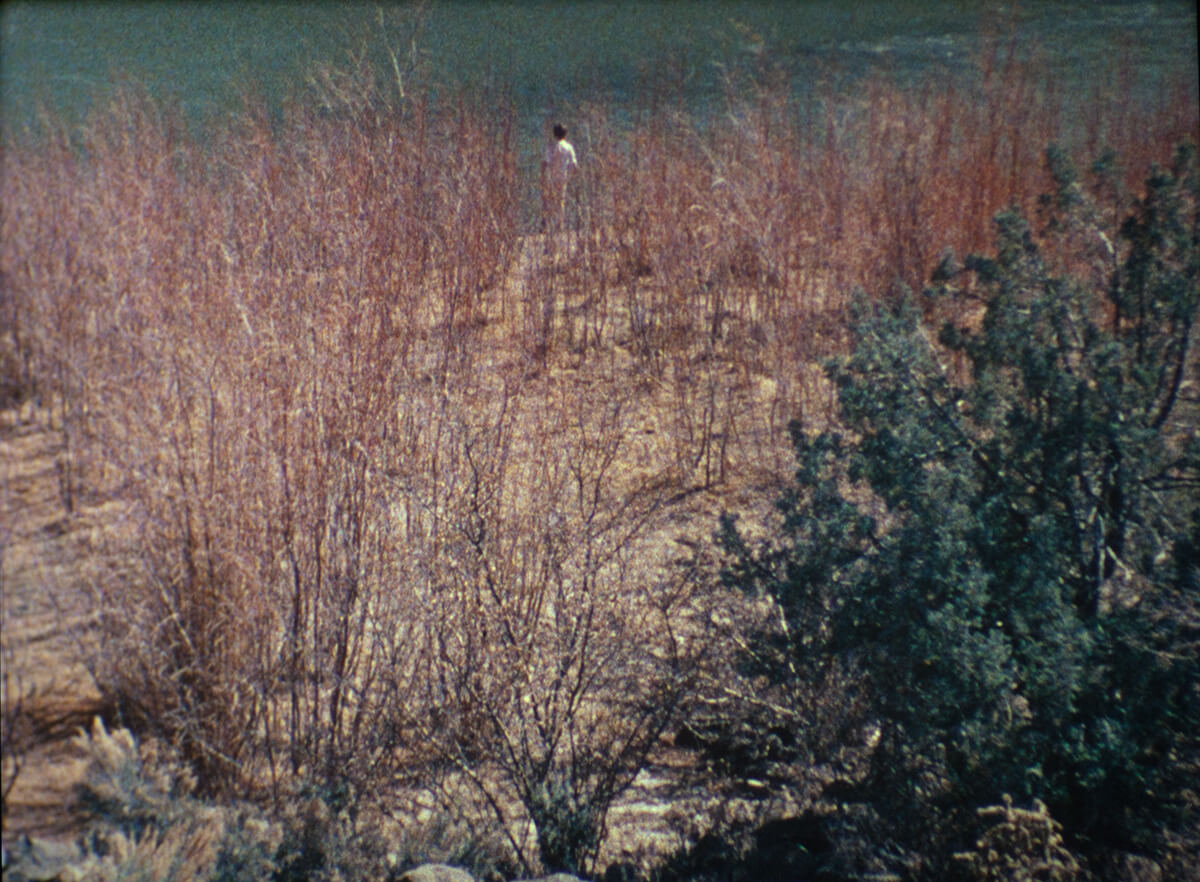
1021 844
232 363
774 212
360 536
554 634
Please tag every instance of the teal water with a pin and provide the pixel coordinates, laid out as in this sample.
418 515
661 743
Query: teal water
549 56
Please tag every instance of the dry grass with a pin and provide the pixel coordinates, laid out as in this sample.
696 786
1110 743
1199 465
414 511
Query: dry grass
397 478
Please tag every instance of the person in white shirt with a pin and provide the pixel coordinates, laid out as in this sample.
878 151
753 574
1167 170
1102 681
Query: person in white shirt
559 164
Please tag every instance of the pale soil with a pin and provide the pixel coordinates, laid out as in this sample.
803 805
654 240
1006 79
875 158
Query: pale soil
48 557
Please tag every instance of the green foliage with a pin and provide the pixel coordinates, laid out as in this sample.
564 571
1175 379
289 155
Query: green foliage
324 839
569 825
1002 536
144 823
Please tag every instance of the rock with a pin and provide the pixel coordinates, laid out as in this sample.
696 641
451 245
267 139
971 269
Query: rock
437 873
40 860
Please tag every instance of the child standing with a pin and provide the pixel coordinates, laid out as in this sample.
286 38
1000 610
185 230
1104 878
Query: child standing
559 164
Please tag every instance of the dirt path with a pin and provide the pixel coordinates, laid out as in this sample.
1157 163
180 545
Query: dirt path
46 555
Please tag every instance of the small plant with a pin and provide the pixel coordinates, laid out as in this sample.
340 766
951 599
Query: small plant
130 788
1021 845
569 827
145 824
323 838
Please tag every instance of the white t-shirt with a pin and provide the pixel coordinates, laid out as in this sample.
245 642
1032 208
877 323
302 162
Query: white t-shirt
560 160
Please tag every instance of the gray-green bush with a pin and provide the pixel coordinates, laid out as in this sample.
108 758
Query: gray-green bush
1000 535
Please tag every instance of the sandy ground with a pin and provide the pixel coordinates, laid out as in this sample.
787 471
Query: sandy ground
46 554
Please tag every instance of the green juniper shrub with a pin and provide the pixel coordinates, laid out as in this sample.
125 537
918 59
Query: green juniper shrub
323 837
1001 535
569 826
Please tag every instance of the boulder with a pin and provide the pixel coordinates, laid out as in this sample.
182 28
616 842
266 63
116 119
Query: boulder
436 873
41 860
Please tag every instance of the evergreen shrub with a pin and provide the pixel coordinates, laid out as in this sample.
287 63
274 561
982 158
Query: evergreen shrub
1000 534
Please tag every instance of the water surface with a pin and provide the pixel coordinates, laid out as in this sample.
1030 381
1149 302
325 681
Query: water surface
549 56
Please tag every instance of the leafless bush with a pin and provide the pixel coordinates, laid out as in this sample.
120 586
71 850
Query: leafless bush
555 636
15 696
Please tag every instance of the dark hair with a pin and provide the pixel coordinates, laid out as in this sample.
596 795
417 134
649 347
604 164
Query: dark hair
560 131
